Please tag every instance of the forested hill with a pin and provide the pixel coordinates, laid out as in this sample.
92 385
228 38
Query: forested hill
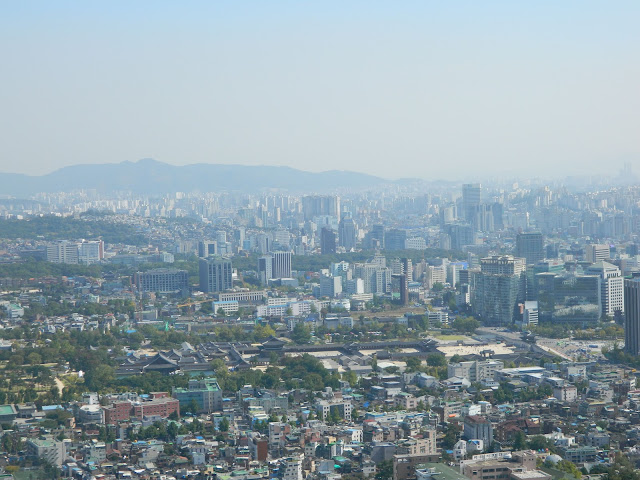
149 176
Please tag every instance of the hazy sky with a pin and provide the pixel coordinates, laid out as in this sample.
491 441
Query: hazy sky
398 88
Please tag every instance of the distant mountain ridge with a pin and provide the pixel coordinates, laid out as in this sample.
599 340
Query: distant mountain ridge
153 177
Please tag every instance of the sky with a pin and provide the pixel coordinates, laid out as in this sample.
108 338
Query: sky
426 89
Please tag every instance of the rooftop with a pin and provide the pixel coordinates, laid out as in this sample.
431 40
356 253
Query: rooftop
442 471
7 410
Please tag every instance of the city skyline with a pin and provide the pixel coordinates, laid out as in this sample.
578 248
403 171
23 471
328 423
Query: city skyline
413 89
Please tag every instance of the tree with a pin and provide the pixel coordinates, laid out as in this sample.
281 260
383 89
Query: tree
384 470
301 333
263 332
34 358
351 377
413 364
450 436
520 441
465 324
224 424
100 377
436 360
569 467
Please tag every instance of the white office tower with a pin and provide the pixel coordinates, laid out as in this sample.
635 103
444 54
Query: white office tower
611 287
281 265
62 252
597 252
90 252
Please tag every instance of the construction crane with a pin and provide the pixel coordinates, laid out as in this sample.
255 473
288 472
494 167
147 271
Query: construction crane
190 303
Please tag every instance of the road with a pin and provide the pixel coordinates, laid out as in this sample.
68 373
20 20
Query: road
549 345
59 384
567 348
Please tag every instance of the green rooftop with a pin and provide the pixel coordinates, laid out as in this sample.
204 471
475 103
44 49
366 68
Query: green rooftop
7 410
443 471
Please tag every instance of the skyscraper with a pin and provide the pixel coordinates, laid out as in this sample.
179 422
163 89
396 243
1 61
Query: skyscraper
460 235
281 265
403 287
265 268
395 239
347 233
376 236
327 241
499 287
632 315
530 246
568 298
471 198
314 206
215 274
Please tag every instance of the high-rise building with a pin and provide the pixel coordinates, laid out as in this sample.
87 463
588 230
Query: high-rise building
263 243
482 217
478 428
327 241
597 252
460 235
162 280
568 298
632 315
317 205
281 265
530 246
500 286
403 288
90 252
544 266
274 265
330 286
611 287
395 239
376 277
471 198
265 269
216 274
206 248
221 236
498 216
347 233
407 268
377 234
62 252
